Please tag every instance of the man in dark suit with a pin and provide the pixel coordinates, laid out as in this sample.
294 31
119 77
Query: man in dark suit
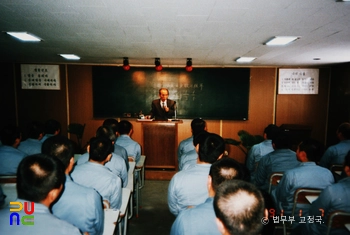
163 108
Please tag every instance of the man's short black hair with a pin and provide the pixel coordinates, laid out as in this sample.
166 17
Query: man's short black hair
100 148
112 123
51 126
197 125
59 146
312 148
107 132
227 169
124 127
240 206
37 175
9 134
344 129
281 140
34 129
210 147
271 131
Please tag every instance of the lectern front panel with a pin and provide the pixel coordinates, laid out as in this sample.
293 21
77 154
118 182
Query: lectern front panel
159 143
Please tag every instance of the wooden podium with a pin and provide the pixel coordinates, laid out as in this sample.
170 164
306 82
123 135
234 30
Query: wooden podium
160 147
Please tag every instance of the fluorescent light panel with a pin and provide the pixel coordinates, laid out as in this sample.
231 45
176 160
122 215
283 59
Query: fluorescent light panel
281 40
24 36
70 56
245 59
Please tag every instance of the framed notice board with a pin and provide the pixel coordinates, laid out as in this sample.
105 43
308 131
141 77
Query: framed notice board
210 93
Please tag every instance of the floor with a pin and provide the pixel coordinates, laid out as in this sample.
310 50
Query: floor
154 216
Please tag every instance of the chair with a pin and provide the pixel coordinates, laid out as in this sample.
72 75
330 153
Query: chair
77 130
336 171
275 179
302 196
8 185
140 181
338 220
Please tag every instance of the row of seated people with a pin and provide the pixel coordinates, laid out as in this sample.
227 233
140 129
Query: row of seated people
272 155
99 175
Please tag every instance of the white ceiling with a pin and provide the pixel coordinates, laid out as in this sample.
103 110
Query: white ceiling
211 32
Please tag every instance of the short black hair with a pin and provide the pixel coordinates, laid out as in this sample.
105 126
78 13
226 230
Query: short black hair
281 140
197 125
112 123
107 132
239 205
60 147
37 175
100 148
347 160
271 131
51 126
9 134
211 147
312 148
124 127
344 129
227 169
34 129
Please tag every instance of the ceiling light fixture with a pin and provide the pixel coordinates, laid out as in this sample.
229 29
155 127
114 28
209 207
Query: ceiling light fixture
70 56
24 36
126 65
189 67
159 67
245 59
281 40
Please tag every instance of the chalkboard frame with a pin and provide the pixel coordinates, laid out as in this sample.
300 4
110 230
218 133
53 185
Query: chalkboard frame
209 93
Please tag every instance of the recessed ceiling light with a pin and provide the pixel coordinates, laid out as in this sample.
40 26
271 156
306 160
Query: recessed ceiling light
70 56
280 40
24 36
245 59
316 58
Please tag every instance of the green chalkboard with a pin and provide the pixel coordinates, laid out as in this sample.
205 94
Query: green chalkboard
210 93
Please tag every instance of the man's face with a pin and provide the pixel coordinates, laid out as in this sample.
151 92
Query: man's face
163 95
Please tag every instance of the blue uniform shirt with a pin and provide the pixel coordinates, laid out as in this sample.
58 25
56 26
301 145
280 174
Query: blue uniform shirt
99 177
199 220
10 158
80 206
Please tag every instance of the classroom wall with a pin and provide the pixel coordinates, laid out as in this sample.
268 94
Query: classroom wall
73 103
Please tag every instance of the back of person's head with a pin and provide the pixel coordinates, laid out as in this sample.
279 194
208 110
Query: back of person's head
281 140
100 148
312 148
124 127
198 125
271 131
9 134
35 129
347 160
60 147
112 123
344 129
51 126
226 169
211 147
106 132
239 206
37 175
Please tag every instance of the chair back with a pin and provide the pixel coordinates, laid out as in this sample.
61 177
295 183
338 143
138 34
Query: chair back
301 196
338 220
275 179
337 172
77 130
